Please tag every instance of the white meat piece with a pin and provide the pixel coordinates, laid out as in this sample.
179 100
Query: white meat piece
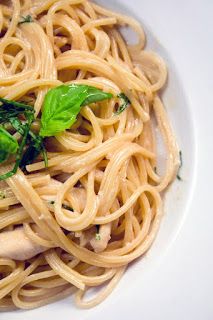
16 245
100 244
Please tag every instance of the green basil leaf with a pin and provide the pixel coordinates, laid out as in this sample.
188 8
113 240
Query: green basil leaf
62 105
8 144
95 95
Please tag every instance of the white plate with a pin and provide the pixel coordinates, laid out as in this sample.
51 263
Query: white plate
175 283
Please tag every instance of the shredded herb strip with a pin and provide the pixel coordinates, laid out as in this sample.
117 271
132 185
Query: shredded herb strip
2 194
125 102
64 206
181 164
10 109
97 235
30 146
26 19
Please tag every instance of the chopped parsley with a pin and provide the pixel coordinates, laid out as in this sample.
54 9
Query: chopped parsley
97 235
2 195
180 166
26 19
64 206
125 102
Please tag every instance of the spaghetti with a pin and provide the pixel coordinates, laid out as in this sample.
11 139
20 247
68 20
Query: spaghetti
97 207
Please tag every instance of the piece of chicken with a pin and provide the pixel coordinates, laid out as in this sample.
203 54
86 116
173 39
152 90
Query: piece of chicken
99 244
98 241
16 245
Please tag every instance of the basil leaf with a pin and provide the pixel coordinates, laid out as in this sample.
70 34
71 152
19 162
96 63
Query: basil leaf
3 155
8 144
62 105
95 95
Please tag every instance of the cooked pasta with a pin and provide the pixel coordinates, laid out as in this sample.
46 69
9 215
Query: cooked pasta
78 222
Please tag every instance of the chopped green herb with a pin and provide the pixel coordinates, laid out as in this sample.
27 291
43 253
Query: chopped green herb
180 166
155 170
26 19
2 194
64 206
36 147
124 104
181 159
97 236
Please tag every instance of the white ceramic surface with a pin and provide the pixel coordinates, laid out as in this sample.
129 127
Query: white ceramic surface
175 283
